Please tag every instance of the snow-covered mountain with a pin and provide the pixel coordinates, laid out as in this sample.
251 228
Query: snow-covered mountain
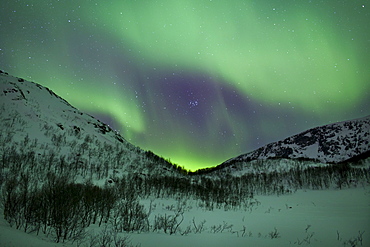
332 143
35 121
36 105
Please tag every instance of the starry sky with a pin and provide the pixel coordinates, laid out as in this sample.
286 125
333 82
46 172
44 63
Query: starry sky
196 81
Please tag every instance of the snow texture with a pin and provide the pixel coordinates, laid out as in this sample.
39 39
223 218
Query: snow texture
332 143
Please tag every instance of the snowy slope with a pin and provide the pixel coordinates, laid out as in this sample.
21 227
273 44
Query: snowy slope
332 143
36 105
33 118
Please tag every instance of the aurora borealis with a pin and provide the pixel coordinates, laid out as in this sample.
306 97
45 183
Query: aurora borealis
196 81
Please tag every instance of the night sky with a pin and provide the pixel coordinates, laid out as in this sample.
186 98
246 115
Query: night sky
197 82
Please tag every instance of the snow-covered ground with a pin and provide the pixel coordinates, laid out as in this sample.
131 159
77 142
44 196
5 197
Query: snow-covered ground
307 218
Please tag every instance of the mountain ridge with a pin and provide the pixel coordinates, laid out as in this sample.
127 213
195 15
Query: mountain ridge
329 144
26 101
32 113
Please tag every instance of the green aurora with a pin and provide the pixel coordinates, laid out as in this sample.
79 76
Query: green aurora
196 81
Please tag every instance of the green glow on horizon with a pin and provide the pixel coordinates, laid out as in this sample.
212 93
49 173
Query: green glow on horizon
285 57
